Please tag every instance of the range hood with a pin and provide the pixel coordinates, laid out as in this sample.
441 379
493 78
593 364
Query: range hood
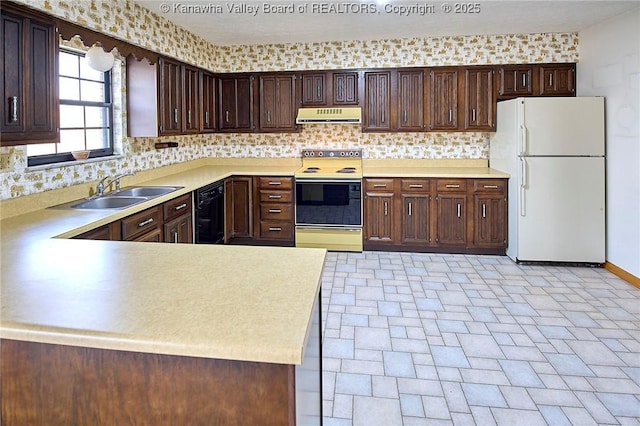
329 115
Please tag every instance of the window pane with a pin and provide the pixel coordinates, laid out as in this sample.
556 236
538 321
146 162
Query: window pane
69 89
97 116
68 64
89 73
92 91
71 140
41 149
97 139
71 116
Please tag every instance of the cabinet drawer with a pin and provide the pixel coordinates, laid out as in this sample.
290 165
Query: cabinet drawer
270 230
490 185
378 185
177 206
452 185
276 212
275 182
415 185
140 223
275 196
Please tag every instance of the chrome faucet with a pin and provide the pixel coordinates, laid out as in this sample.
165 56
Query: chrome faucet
102 185
116 179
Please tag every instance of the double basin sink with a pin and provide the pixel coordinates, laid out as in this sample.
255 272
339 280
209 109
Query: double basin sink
123 198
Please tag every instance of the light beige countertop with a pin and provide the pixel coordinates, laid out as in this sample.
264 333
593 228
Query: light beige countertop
431 168
217 301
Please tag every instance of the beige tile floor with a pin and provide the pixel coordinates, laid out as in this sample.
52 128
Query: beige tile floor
421 339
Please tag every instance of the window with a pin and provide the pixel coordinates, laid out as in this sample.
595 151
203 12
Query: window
86 113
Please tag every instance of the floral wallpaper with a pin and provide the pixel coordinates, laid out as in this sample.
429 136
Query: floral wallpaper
127 20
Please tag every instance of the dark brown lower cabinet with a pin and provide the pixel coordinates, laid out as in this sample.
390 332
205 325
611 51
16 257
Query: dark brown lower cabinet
179 230
238 193
436 215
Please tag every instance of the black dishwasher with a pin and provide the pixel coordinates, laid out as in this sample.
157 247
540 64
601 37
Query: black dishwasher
210 214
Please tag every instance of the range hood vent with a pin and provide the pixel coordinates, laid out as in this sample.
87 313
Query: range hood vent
329 115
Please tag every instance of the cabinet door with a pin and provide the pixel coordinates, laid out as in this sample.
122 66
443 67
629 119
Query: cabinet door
238 207
378 218
479 99
28 80
190 100
490 224
314 89
236 103
110 232
277 103
377 107
411 100
443 89
557 80
208 106
345 88
179 230
515 80
416 217
154 236
451 218
170 81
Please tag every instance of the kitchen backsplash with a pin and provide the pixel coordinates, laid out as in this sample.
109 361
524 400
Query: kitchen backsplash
127 20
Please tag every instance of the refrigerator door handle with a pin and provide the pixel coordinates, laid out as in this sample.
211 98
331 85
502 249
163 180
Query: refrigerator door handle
523 186
524 143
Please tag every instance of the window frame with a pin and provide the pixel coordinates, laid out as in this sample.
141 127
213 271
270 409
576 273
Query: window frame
44 159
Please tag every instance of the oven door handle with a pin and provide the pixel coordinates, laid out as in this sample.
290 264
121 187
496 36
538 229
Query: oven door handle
330 228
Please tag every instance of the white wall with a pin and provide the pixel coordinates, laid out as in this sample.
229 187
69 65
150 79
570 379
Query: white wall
610 66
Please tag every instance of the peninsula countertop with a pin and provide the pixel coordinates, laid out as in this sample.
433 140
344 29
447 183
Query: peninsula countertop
230 302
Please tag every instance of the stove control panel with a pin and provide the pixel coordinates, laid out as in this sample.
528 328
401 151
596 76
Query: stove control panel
339 153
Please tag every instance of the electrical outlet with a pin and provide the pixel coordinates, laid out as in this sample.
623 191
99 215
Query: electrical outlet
5 161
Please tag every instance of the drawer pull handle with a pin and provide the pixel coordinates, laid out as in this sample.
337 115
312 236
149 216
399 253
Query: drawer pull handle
145 222
181 206
451 186
379 185
275 228
490 186
275 182
275 211
275 197
415 185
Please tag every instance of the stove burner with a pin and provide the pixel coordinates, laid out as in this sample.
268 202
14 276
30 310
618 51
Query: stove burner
347 170
313 168
310 171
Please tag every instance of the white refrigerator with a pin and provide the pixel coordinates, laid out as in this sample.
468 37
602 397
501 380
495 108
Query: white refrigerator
554 149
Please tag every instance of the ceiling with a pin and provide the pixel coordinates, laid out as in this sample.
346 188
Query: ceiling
313 21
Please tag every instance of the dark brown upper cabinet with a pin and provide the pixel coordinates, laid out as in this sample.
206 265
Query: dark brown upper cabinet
443 98
208 104
278 103
345 87
377 101
479 99
191 99
236 110
515 80
29 78
410 101
314 89
557 79
169 96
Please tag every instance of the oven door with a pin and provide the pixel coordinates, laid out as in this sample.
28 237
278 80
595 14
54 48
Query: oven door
329 203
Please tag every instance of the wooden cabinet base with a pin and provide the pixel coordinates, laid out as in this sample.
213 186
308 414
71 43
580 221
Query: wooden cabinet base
63 385
430 249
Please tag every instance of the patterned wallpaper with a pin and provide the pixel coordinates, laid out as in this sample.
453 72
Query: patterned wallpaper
128 21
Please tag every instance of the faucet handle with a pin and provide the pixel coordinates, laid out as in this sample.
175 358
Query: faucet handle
100 186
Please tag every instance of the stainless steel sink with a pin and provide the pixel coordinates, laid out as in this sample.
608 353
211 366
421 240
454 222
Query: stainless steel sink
144 191
109 202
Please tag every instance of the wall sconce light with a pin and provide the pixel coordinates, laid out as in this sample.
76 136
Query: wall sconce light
98 59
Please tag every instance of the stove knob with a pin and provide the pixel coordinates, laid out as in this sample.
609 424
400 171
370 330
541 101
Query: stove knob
320 154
